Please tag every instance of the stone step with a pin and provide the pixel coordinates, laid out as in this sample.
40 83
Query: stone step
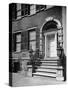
49 61
49 64
46 70
45 74
54 58
50 67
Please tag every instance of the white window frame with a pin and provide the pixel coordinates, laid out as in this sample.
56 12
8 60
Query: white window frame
18 10
17 42
32 9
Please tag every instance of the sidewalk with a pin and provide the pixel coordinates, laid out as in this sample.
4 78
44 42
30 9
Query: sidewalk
20 80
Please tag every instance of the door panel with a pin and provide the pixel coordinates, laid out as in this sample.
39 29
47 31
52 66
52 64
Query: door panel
51 45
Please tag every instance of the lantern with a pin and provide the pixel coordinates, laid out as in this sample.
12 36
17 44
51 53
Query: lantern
59 51
60 37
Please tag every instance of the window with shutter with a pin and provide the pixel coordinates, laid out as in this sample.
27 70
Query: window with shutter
18 42
25 9
14 43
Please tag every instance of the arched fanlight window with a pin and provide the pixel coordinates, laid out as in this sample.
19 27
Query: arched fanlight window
49 25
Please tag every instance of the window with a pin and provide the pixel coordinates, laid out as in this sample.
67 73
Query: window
22 10
49 6
32 40
18 11
40 7
18 6
18 42
32 9
25 9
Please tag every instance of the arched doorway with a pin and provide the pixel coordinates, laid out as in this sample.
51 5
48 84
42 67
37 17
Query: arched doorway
49 34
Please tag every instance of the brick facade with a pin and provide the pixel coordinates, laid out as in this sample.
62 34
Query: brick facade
37 22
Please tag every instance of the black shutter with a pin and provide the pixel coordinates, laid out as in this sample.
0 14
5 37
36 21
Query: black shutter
14 43
37 37
14 11
28 9
24 40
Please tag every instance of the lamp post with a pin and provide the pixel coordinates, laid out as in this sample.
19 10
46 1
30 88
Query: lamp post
59 41
60 71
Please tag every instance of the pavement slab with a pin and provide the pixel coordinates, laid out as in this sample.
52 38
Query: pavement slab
19 80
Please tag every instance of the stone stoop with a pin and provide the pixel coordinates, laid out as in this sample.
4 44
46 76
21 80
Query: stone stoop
49 68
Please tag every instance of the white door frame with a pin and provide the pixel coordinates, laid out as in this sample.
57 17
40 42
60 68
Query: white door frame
49 33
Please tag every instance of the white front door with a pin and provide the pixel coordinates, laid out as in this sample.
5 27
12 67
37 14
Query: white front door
50 45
